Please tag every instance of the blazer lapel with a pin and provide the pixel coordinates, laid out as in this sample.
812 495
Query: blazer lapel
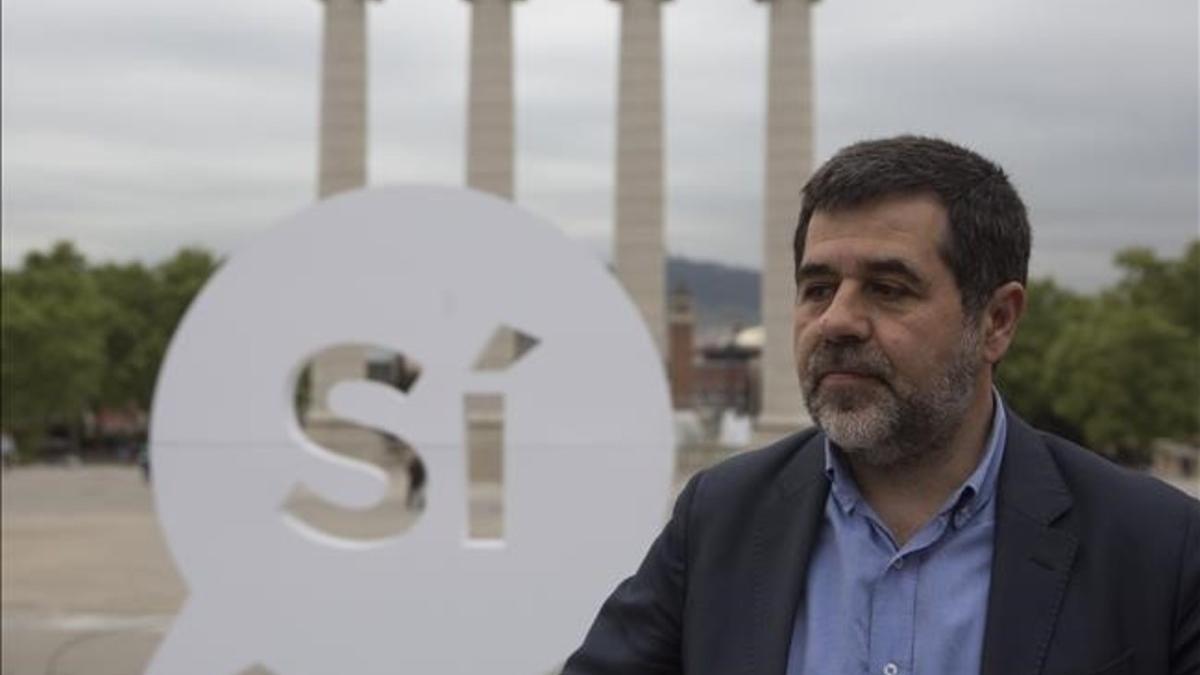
1032 558
785 533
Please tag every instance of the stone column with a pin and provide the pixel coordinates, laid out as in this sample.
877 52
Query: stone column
490 162
789 152
342 166
490 153
490 99
639 247
343 134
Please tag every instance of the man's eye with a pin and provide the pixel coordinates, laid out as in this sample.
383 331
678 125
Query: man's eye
816 292
888 291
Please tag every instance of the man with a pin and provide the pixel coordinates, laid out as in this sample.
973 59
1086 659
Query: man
922 527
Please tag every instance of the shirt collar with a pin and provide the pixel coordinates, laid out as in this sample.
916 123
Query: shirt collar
967 500
841 482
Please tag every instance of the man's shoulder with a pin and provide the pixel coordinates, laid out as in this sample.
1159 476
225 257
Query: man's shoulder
1101 486
785 465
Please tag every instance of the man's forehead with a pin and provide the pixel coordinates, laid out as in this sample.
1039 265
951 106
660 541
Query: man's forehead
911 227
865 266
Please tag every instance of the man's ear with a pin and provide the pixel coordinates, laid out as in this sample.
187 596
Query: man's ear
1000 318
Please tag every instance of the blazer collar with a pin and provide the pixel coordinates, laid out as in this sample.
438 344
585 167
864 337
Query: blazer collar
1031 562
785 534
1032 556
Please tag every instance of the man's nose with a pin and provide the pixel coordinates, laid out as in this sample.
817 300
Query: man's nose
845 319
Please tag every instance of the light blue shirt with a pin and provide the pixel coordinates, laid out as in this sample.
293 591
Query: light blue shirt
872 607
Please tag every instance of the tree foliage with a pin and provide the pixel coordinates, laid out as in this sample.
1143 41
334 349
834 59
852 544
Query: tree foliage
1119 370
1021 375
1126 376
130 353
146 305
52 354
1170 286
79 337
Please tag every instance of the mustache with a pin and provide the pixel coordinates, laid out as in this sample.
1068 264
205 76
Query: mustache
858 359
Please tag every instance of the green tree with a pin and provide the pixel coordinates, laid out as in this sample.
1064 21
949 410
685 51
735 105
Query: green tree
1126 375
146 306
76 337
130 362
1173 286
1119 370
53 343
1021 376
180 279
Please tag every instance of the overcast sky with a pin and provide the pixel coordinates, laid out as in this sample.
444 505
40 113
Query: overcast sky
138 126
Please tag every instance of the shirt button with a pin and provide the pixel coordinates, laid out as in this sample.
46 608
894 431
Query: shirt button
891 669
899 564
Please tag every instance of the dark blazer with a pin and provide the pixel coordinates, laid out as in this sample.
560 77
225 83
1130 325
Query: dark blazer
1096 569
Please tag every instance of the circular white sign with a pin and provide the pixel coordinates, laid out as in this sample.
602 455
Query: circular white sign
430 273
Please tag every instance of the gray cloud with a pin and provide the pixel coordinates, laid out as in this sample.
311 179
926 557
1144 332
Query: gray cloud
1091 107
139 128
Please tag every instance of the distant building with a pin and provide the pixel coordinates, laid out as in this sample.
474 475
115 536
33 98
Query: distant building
720 376
681 352
715 388
727 374
128 421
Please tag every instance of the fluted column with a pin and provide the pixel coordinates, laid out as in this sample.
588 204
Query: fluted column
343 135
490 162
490 99
639 240
789 157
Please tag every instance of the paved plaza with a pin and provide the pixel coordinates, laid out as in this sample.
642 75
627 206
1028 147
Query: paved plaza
88 585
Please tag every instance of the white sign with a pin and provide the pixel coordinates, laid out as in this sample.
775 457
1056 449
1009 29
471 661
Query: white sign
430 273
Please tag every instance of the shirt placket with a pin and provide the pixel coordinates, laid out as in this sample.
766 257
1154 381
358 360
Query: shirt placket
894 600
893 614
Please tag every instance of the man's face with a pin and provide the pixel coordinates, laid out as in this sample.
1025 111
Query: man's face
887 362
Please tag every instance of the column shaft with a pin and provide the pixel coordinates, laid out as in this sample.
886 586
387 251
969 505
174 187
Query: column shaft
343 123
490 99
490 162
639 240
789 151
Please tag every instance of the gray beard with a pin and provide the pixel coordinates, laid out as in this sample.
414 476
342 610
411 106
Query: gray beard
880 425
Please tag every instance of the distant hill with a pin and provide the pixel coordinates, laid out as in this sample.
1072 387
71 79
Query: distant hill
724 295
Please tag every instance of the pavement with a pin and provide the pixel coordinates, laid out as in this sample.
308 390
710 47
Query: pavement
87 584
